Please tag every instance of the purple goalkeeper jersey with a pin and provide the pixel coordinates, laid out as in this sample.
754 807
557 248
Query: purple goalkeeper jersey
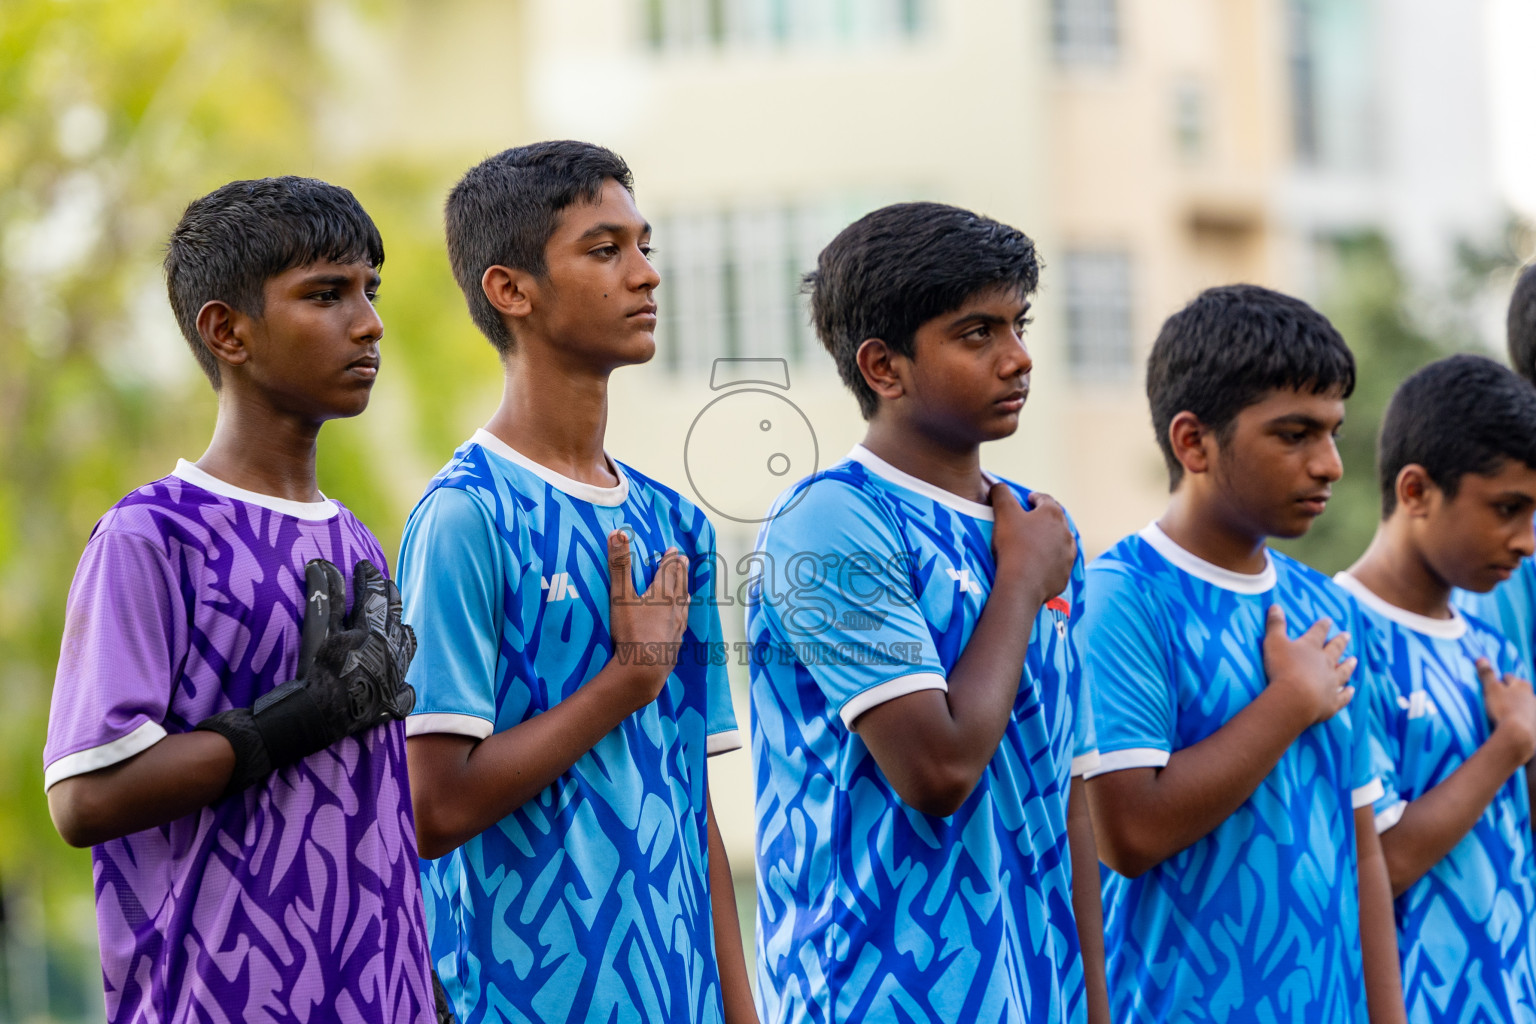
298 900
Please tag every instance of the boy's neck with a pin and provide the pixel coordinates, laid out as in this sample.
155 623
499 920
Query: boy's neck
954 468
258 449
1393 569
1209 532
557 416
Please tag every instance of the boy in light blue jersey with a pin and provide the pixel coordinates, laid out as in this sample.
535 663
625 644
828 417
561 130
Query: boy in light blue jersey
1232 801
924 849
1453 714
570 684
1512 604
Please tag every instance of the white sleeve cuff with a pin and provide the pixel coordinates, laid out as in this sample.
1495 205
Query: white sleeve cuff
1391 816
472 726
1131 757
106 755
888 691
1083 764
1364 796
721 742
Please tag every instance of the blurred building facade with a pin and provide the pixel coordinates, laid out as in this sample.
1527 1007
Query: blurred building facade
1151 147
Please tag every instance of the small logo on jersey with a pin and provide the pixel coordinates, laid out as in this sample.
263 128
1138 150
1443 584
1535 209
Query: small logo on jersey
559 587
1059 604
962 578
1417 704
865 619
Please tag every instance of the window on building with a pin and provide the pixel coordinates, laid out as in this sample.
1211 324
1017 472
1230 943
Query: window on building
1189 119
700 24
1098 321
1085 31
731 279
1303 81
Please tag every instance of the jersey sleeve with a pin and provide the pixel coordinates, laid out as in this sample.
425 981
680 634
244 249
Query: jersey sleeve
125 636
450 577
704 630
1085 743
1125 673
840 596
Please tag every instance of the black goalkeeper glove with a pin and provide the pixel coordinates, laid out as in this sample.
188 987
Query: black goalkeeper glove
351 676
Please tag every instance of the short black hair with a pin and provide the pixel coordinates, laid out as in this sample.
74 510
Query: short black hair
893 270
505 208
1458 415
1522 324
1229 348
230 242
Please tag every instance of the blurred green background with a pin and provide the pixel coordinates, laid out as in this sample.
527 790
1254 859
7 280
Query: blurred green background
113 115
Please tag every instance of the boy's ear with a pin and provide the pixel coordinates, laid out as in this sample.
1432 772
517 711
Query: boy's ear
1192 442
223 330
1414 490
510 291
880 368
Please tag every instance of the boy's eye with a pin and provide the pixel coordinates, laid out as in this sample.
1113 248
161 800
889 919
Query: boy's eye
649 252
328 295
605 251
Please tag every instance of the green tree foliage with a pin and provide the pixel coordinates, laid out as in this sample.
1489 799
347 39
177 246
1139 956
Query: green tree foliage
1368 301
112 116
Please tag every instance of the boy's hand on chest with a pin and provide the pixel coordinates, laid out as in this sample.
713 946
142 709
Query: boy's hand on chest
1034 546
647 628
1308 676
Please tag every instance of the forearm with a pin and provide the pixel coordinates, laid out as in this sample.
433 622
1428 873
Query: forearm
1378 927
1087 906
984 682
178 776
460 787
735 986
1145 816
1432 825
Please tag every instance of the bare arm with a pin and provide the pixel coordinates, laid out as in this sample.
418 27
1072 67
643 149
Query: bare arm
1378 927
1087 906
461 786
1143 816
932 745
1434 823
178 776
735 988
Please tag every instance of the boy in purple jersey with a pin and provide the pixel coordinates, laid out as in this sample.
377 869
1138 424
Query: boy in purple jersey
245 790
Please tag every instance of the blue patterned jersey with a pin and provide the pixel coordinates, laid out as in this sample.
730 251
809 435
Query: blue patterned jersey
1259 920
591 901
1466 931
1511 607
870 910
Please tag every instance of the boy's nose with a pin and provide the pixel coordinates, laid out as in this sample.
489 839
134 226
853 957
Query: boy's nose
1329 464
369 326
649 276
1018 360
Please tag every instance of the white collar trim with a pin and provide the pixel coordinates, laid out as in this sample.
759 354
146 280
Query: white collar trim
878 466
1453 628
314 511
610 496
1215 575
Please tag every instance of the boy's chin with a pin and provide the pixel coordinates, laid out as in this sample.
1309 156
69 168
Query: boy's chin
634 350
